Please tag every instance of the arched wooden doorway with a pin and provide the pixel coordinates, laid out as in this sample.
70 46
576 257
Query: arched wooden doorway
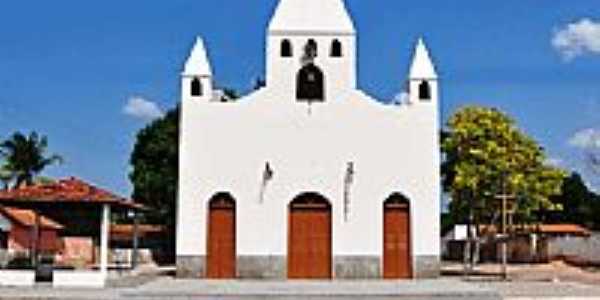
310 84
221 254
309 238
396 238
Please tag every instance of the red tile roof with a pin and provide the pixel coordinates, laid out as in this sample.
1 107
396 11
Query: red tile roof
26 218
564 229
142 228
71 190
572 229
124 232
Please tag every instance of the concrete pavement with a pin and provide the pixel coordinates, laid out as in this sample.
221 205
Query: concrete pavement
423 289
450 289
542 290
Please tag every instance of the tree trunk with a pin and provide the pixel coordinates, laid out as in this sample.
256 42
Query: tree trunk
23 180
477 250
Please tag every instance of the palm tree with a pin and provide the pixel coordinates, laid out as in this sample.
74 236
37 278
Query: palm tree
26 156
6 176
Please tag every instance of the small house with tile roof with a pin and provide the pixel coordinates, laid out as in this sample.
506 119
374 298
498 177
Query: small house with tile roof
78 209
16 228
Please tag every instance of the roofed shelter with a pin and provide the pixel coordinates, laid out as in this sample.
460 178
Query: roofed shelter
81 208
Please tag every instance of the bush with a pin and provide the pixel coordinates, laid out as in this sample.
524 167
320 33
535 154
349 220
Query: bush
20 263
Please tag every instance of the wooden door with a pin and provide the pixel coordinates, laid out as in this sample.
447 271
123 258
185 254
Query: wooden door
221 253
396 244
309 244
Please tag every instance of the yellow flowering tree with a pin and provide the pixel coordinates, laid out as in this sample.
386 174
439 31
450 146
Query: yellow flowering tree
485 155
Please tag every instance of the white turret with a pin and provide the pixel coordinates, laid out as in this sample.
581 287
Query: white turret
423 79
310 16
196 81
311 39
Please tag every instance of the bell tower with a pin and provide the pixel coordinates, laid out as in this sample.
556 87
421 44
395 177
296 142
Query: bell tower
311 51
196 79
423 79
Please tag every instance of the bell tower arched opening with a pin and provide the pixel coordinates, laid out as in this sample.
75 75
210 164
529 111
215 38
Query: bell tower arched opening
310 84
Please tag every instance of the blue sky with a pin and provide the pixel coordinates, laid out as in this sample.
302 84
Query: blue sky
68 68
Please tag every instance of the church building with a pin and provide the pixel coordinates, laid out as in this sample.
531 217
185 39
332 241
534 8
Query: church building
309 177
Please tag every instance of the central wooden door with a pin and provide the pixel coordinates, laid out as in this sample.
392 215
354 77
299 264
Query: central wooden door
396 241
309 238
221 254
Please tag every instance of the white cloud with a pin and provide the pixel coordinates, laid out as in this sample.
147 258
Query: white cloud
588 138
555 161
141 108
577 39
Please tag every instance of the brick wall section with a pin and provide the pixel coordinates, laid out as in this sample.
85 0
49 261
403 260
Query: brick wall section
20 239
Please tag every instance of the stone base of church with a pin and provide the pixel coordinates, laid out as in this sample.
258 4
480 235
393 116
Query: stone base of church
357 267
275 267
427 266
190 266
262 267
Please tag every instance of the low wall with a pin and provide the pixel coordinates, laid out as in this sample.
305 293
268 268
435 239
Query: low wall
79 279
584 250
124 256
20 278
520 249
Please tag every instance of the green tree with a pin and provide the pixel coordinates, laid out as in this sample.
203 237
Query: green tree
259 83
6 176
230 94
579 204
574 199
485 154
596 212
25 157
155 162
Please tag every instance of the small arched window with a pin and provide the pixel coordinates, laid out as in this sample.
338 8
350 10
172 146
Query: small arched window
286 48
336 48
424 91
196 88
311 49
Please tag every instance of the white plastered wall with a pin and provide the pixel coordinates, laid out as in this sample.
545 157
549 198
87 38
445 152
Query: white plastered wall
225 147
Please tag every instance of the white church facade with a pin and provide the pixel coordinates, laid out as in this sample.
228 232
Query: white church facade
309 177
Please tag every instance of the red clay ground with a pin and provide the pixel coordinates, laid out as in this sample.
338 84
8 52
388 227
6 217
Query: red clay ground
555 271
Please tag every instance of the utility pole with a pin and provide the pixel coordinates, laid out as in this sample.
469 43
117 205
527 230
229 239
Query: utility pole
504 246
504 197
467 250
470 236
